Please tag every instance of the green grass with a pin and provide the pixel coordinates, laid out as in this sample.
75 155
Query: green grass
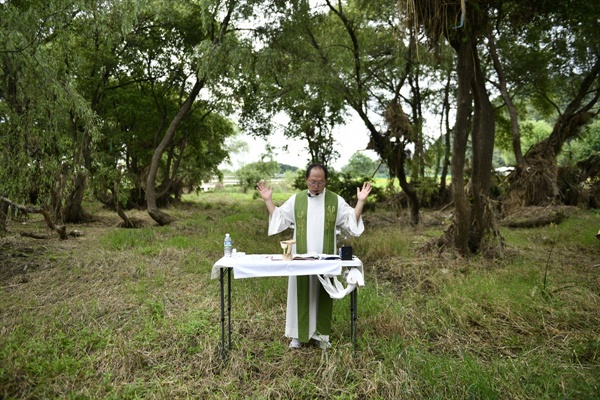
129 314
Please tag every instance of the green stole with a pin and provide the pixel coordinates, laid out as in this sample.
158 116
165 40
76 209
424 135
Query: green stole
325 306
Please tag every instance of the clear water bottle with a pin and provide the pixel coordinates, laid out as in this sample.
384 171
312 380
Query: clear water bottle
227 245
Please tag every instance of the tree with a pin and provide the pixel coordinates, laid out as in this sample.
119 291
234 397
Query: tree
471 220
289 84
361 165
213 65
88 95
251 173
133 114
45 120
548 56
352 57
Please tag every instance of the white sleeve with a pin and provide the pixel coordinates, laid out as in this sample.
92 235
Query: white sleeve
346 219
283 217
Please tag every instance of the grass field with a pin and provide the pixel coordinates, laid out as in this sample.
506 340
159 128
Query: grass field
133 314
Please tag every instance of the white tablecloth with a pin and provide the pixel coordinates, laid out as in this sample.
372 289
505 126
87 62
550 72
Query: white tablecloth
263 265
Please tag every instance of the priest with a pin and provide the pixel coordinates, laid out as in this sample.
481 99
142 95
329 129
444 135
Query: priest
315 214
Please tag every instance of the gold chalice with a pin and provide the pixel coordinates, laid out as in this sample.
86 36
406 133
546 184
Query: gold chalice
286 245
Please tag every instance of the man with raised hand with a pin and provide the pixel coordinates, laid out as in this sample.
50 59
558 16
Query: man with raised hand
315 214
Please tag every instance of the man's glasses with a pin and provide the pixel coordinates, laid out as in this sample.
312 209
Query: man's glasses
316 183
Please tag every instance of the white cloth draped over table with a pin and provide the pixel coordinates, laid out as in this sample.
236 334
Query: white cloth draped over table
283 218
264 265
270 265
334 287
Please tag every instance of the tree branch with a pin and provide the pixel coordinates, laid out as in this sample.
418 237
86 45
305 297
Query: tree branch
61 230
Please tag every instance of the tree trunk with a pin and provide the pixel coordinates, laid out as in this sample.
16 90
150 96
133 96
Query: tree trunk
411 194
157 215
512 111
576 116
484 128
73 211
3 216
446 112
160 217
394 153
171 183
462 212
418 165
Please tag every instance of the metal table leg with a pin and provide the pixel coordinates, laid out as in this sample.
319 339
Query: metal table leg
353 317
225 271
229 307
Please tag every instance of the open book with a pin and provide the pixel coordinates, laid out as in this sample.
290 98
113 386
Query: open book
312 256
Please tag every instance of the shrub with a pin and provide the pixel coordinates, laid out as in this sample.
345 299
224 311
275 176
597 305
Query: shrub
251 173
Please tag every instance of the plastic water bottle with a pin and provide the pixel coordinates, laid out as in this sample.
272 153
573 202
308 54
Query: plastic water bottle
227 245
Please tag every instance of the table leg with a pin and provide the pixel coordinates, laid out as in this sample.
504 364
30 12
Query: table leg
225 271
353 317
229 307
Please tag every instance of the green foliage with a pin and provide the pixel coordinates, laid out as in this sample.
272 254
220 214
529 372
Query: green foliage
205 151
285 81
287 168
590 143
90 88
533 132
137 115
345 185
40 105
93 88
584 147
251 173
427 189
545 52
361 165
289 178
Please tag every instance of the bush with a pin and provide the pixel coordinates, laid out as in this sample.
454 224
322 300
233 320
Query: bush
251 173
428 190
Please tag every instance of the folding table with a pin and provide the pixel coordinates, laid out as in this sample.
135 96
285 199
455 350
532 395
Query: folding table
270 265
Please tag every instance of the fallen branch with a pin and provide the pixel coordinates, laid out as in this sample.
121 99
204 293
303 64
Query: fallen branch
533 221
20 207
61 230
34 235
446 206
74 234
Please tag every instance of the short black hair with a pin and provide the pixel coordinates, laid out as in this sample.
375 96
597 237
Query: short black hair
311 166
